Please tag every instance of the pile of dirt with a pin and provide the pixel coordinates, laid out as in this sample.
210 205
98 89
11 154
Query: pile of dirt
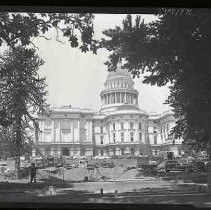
131 174
42 175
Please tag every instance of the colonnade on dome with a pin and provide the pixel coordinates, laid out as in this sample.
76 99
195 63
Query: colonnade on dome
119 97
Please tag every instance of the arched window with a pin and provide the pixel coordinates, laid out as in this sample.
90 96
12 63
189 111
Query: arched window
132 151
65 151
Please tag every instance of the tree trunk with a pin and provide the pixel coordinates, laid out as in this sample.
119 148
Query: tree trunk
18 147
209 170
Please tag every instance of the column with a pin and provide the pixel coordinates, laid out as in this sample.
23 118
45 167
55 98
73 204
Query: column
72 128
125 98
53 128
59 131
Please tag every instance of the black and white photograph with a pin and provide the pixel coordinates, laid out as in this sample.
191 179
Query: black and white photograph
106 108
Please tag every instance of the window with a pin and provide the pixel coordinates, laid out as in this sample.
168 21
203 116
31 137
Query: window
122 136
132 151
65 131
155 139
131 125
114 137
122 126
122 97
155 130
101 152
156 152
131 137
114 151
101 139
122 151
118 97
101 129
140 136
139 126
47 130
65 151
114 126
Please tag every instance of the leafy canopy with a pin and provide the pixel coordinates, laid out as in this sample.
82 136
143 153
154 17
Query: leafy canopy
175 49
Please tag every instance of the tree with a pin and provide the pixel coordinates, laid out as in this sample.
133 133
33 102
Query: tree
19 28
22 92
174 49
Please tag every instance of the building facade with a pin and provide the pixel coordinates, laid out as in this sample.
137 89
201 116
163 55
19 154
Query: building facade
120 127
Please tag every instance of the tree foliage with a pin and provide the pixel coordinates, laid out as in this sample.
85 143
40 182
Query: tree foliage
22 91
19 28
22 94
174 49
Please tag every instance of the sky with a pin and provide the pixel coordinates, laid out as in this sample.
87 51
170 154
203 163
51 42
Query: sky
75 78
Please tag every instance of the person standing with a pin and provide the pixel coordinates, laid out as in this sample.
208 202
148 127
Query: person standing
33 169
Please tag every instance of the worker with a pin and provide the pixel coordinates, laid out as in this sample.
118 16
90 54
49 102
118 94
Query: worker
33 169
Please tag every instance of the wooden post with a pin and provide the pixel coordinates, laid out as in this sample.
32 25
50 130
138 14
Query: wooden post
101 191
116 193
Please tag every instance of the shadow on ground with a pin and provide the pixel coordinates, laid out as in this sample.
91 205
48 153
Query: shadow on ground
51 181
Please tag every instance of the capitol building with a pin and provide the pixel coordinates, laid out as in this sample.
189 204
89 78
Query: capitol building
120 127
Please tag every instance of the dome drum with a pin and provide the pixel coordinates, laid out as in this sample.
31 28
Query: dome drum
119 97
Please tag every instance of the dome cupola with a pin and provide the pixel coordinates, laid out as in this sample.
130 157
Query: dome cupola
119 89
